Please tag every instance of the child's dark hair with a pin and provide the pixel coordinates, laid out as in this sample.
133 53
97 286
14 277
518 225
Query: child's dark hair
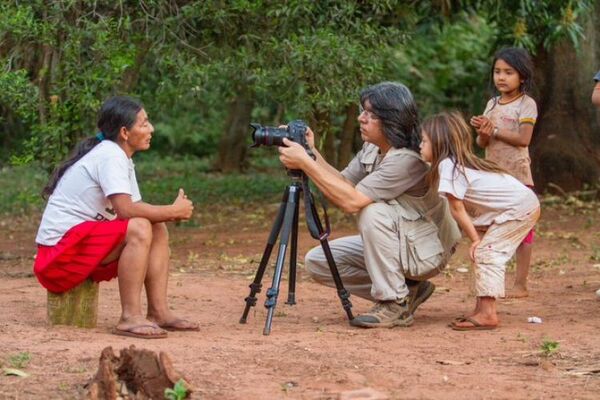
520 60
116 113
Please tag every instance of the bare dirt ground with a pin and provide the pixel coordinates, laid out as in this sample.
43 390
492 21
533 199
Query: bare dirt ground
312 352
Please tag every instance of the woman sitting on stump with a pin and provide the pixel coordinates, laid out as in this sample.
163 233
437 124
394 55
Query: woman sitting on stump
96 226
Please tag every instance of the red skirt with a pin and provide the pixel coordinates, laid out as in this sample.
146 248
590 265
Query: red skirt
79 254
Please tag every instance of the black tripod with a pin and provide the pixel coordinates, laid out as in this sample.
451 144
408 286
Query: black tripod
287 218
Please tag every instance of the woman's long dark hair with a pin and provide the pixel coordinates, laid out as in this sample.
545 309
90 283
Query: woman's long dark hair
395 106
115 113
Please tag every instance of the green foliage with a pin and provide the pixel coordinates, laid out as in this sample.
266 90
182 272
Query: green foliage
595 256
179 391
446 65
159 180
19 360
21 188
549 347
297 59
535 24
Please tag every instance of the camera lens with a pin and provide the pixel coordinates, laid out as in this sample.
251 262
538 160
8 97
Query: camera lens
268 135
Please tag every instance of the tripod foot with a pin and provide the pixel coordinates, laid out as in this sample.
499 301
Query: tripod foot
291 299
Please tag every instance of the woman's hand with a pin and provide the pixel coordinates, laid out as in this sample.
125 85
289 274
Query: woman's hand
473 248
294 155
183 206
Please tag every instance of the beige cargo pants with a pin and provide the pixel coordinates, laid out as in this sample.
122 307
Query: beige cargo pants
369 263
497 246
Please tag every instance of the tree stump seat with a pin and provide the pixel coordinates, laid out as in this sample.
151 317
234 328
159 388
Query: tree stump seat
76 307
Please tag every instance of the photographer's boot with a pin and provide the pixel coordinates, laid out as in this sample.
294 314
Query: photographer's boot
386 314
418 294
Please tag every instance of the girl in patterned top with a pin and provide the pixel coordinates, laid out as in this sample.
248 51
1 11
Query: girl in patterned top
505 130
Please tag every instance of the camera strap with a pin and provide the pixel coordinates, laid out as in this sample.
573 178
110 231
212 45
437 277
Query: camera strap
312 217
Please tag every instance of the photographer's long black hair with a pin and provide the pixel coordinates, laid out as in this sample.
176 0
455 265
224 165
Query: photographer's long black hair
115 113
395 106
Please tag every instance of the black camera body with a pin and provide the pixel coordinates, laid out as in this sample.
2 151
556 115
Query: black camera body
271 136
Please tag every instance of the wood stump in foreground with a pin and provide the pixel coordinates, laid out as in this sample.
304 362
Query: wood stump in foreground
136 374
77 307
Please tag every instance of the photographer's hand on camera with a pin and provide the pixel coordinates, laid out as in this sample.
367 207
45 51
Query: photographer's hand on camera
330 182
293 155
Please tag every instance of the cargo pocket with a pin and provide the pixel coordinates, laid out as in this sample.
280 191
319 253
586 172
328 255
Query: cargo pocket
423 253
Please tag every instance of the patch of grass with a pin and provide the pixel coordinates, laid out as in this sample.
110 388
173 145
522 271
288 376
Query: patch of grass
159 180
522 338
595 256
21 187
549 347
551 263
63 386
19 360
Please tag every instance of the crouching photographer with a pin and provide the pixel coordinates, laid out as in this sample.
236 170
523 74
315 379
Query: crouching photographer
407 233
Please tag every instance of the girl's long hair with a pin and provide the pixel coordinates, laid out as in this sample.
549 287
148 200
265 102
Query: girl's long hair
116 113
450 137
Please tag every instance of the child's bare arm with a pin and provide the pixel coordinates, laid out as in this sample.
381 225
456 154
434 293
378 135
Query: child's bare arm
457 208
522 137
596 95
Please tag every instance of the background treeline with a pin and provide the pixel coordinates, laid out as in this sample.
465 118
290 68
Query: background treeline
205 69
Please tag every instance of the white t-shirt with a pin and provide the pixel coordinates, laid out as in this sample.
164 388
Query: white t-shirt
82 192
489 197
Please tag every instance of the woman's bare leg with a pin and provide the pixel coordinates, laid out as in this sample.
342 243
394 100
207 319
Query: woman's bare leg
133 265
157 278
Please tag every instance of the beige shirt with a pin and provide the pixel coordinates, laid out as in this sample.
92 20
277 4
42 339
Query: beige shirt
384 178
510 116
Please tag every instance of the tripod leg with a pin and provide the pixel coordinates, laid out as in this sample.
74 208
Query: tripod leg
273 291
256 285
343 294
293 258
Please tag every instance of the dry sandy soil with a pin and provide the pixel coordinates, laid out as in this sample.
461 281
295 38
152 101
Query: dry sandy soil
312 352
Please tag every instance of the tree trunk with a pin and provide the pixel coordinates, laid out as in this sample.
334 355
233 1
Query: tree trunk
347 136
77 307
234 142
131 75
325 137
566 143
43 82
